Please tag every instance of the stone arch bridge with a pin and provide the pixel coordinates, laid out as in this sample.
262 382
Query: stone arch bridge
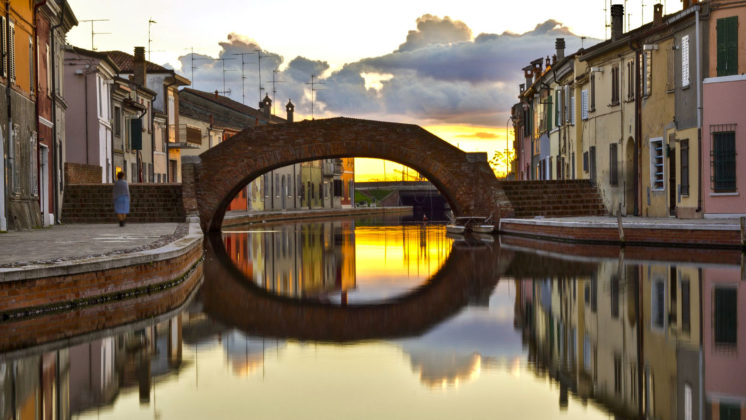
212 179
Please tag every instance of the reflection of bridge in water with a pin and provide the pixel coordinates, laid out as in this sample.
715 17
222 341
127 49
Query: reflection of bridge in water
468 276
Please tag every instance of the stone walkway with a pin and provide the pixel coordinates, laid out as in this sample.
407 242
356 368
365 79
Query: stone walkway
637 222
81 241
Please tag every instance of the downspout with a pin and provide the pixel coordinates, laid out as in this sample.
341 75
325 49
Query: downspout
638 132
699 107
36 103
85 95
55 153
3 220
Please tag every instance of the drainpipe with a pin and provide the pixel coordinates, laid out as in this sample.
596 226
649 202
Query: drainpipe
4 186
638 132
699 106
56 154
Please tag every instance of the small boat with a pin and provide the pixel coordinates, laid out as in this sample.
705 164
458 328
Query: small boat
483 228
484 237
457 229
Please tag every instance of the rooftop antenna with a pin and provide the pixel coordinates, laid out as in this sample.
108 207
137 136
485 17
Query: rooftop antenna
191 57
93 33
642 13
313 95
150 22
606 20
626 21
274 88
582 40
259 65
243 76
222 62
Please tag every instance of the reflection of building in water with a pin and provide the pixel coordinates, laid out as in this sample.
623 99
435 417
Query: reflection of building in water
35 387
724 338
587 334
246 354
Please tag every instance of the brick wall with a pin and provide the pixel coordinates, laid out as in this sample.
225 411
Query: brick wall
566 198
149 203
77 173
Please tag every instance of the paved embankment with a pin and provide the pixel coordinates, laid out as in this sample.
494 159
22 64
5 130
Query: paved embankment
50 278
638 231
235 218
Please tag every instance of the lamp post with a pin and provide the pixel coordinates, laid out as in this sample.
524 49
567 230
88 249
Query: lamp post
507 146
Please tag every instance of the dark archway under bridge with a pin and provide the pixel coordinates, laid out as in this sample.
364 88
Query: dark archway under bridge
212 179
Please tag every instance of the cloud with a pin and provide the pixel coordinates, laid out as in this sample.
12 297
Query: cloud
434 30
439 75
480 135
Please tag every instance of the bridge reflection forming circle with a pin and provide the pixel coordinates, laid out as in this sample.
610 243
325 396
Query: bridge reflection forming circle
468 275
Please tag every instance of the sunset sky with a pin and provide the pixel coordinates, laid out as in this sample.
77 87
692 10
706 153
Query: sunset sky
452 67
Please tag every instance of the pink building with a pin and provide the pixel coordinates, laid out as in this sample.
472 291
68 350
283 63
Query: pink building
724 146
724 342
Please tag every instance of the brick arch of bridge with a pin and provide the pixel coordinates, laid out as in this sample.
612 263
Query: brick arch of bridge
469 275
212 179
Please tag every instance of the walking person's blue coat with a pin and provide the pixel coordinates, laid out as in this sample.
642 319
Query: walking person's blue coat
121 198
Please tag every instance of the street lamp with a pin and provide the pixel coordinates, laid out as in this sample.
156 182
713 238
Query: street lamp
507 147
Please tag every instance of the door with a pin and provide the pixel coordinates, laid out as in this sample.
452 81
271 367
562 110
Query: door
671 179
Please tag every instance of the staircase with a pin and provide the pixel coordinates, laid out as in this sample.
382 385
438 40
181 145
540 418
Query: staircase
149 203
566 198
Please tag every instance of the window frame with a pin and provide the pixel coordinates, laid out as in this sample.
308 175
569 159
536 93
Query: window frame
657 177
729 155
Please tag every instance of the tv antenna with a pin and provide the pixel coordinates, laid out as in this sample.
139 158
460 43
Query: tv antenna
94 33
274 88
150 22
191 50
222 62
313 84
606 20
642 13
243 76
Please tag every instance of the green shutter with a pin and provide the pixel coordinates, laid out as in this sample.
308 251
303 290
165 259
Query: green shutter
549 114
727 46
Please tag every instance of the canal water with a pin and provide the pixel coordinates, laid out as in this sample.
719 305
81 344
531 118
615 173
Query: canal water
376 318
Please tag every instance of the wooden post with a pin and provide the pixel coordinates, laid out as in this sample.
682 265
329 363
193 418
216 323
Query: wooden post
743 232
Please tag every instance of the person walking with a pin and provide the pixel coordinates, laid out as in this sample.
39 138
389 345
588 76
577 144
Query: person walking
121 198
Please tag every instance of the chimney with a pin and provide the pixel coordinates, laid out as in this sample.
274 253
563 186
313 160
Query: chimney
266 107
216 94
528 73
290 109
140 66
658 13
617 21
559 46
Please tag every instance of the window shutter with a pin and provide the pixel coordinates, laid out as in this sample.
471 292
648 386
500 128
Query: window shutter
549 114
3 47
567 108
727 46
685 61
12 53
136 133
572 109
584 104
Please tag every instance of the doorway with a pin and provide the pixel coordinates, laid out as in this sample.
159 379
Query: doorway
629 176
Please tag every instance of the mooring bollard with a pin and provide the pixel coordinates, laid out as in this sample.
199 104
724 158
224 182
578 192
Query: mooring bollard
621 228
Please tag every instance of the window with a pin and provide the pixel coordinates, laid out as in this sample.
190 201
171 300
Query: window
727 46
686 310
584 104
585 161
658 304
647 72
726 319
194 135
684 164
615 296
338 188
656 164
613 165
594 293
117 121
723 161
685 61
615 85
670 76
48 57
630 80
730 411
593 93
617 374
549 125
559 100
31 68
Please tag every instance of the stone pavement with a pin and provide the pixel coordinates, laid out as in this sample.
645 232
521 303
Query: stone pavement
82 241
638 222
